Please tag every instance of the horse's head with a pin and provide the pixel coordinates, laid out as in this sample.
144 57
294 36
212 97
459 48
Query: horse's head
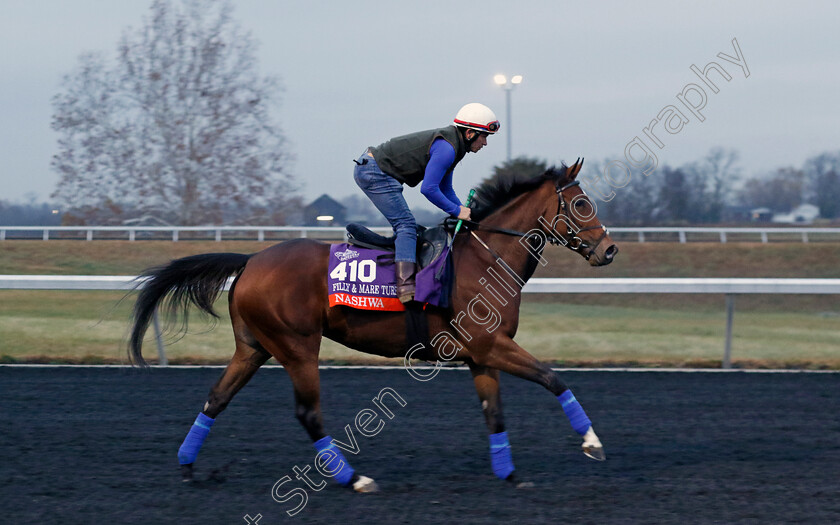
570 219
566 216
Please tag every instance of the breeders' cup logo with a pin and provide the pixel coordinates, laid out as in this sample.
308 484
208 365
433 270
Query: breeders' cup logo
346 255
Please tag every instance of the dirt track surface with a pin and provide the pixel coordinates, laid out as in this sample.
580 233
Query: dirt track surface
86 445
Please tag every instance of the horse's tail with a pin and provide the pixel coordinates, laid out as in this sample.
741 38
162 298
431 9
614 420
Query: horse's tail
198 280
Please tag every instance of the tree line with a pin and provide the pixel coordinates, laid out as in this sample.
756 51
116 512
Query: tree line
30 213
711 190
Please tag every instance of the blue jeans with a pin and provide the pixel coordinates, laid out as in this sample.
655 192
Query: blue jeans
386 193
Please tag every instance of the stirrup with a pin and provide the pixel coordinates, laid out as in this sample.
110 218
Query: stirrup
406 295
406 283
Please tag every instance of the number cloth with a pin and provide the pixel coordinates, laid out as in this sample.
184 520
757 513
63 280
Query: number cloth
365 279
362 278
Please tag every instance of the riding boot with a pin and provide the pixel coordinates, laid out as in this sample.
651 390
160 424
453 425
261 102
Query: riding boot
405 281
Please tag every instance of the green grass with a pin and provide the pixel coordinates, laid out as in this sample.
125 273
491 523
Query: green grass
596 334
816 259
655 329
104 257
91 327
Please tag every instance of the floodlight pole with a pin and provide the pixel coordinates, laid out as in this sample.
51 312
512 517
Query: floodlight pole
508 85
507 118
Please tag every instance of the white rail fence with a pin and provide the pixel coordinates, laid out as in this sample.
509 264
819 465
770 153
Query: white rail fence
262 233
729 287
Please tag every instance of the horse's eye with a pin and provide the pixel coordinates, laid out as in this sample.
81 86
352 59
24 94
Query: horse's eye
580 204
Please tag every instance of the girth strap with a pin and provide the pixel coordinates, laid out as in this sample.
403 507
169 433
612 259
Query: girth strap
416 326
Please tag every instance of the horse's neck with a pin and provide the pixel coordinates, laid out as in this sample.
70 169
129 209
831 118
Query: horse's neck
518 216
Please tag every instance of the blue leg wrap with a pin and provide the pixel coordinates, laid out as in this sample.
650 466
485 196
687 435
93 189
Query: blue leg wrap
500 456
343 473
577 417
196 436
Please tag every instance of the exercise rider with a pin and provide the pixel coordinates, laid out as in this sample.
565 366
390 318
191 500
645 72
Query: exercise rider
429 156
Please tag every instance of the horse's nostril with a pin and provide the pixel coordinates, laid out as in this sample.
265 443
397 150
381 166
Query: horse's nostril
611 251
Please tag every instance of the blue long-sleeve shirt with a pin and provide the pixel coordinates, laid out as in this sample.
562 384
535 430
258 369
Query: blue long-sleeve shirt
437 181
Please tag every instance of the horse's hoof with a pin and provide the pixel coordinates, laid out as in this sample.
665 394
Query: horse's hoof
364 484
594 452
187 473
592 447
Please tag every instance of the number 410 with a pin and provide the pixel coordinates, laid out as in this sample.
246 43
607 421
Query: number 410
364 270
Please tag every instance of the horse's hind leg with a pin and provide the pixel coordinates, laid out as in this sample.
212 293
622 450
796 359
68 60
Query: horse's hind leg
247 359
487 385
302 368
306 381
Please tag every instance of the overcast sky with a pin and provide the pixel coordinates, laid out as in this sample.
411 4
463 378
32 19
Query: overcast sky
357 73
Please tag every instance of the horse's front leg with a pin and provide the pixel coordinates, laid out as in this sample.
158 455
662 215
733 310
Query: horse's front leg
507 356
487 386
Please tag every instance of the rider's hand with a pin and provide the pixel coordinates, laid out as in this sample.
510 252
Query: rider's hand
464 213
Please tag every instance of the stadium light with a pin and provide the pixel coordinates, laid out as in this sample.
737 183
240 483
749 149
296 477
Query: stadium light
502 81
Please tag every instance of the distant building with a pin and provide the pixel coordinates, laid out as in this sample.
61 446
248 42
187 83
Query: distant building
761 215
737 213
802 214
324 211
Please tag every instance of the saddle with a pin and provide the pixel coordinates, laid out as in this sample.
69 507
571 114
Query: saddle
435 273
430 241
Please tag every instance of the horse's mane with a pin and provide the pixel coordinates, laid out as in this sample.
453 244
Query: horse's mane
495 192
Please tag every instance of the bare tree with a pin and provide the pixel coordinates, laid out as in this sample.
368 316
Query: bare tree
823 176
780 191
678 196
714 178
178 127
635 204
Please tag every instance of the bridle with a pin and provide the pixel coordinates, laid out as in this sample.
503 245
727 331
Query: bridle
580 244
574 243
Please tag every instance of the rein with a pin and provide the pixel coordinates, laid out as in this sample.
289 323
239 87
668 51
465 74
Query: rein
578 246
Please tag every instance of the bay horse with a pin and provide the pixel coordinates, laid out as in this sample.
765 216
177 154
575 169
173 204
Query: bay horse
279 307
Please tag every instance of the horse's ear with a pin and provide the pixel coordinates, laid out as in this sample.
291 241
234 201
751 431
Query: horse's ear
574 169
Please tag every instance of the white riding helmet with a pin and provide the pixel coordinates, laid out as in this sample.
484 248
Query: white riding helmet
478 117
